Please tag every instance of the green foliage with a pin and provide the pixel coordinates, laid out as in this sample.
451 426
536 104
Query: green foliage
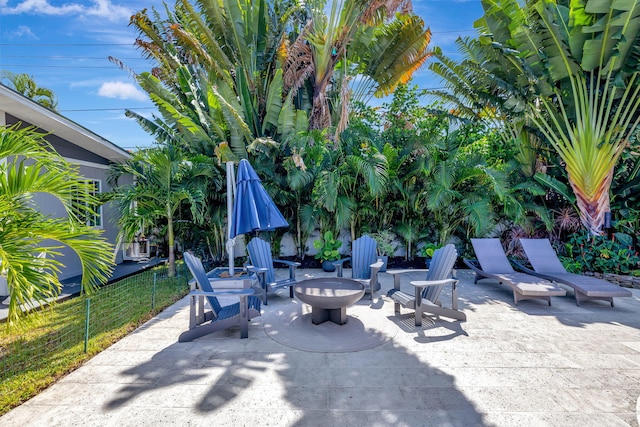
378 44
26 85
628 221
327 247
578 70
428 249
166 179
217 81
584 252
385 242
625 188
420 171
28 259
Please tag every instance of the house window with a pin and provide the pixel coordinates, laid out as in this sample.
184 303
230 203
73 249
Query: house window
92 219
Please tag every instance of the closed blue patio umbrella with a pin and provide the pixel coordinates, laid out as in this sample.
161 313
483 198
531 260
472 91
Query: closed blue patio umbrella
253 209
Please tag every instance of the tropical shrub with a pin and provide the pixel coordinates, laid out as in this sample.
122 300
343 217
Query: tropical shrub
385 242
328 247
584 252
428 249
165 179
31 241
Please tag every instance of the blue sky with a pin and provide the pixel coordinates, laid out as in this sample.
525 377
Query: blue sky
64 46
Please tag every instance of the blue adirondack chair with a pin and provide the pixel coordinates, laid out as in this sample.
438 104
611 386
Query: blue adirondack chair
262 263
425 298
203 322
363 259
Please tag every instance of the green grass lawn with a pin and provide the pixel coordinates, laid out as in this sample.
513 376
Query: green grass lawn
51 342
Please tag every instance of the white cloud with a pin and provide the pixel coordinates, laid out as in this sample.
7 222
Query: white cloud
100 8
121 90
42 7
106 9
23 31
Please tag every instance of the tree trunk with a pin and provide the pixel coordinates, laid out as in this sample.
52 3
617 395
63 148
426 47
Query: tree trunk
299 244
592 207
320 117
171 240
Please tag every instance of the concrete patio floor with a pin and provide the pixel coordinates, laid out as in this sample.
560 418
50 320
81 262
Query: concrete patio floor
530 365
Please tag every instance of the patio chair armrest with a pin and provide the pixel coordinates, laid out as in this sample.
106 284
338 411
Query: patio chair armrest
288 263
340 264
397 274
378 264
225 293
425 283
408 270
292 266
375 267
212 280
421 284
257 270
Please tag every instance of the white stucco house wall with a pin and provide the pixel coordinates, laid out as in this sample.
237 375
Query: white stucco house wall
78 145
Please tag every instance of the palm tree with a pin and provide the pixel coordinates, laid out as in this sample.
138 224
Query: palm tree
346 178
30 166
409 129
217 78
26 85
359 38
164 179
460 195
489 86
200 115
590 114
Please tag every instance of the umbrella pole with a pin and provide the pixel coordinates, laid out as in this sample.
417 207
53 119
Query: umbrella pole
229 214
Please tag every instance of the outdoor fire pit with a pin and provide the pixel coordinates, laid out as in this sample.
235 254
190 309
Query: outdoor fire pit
329 297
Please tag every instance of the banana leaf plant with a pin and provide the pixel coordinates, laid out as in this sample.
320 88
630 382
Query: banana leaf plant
586 52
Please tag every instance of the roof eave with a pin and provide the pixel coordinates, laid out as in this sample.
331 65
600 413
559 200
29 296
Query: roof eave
52 122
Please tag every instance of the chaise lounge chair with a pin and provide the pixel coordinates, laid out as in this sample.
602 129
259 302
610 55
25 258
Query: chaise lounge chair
493 264
425 299
546 264
203 322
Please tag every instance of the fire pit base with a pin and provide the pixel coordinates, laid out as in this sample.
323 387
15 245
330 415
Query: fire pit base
321 315
329 297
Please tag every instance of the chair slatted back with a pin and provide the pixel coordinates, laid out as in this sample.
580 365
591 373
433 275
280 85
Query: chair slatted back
260 256
441 267
363 254
197 270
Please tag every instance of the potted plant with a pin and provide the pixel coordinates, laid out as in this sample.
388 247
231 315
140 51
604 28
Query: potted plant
327 250
384 246
428 250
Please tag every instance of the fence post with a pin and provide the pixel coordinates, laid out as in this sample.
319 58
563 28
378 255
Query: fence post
86 325
153 291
